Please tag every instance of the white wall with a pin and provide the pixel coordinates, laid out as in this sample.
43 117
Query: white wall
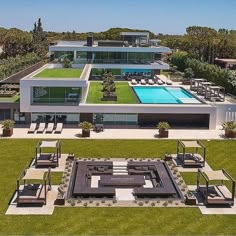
225 112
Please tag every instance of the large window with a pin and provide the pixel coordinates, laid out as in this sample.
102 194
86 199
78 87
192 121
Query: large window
65 118
124 57
56 95
116 119
19 117
61 55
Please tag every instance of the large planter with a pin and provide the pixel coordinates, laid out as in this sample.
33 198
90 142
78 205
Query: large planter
163 133
85 133
190 200
109 98
7 132
230 134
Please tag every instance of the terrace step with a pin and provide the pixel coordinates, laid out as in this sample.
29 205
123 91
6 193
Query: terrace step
119 167
120 171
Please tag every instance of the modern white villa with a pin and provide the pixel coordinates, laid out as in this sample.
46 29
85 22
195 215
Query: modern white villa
136 61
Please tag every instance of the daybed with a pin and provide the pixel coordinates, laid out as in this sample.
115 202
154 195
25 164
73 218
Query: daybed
216 194
36 184
188 153
48 159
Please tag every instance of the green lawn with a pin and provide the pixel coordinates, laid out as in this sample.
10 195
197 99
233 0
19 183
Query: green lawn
60 73
13 99
125 95
16 154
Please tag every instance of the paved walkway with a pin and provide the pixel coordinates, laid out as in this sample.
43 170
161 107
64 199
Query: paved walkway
47 209
75 133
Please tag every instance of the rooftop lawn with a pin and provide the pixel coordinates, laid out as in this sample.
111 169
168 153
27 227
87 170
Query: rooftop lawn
125 94
13 99
15 154
60 73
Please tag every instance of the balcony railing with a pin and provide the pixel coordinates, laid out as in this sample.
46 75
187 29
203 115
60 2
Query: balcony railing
56 101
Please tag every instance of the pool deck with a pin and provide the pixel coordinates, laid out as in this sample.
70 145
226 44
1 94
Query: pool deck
136 134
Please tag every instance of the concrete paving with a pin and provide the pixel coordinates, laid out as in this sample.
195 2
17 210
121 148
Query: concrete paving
47 209
124 194
94 181
212 210
75 133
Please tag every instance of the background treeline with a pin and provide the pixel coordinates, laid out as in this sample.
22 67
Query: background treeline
182 61
204 44
21 49
12 65
111 34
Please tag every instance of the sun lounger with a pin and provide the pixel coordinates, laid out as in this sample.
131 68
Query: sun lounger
41 128
169 82
143 82
150 82
59 128
50 127
133 81
160 82
32 128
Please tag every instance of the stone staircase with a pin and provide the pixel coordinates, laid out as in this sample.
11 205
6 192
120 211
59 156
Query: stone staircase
120 168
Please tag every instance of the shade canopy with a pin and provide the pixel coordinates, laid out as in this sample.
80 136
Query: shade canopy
215 175
190 144
48 144
32 174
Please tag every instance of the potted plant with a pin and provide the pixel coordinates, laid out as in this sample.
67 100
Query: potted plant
86 127
190 198
188 75
163 129
7 126
230 129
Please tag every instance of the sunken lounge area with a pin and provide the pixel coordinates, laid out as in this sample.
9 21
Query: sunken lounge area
105 179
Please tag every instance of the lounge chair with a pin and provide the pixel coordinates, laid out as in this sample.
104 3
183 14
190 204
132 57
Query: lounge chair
41 128
133 81
49 128
143 82
32 128
160 82
169 82
150 82
59 128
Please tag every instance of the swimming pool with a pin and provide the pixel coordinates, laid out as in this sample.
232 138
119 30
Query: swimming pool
164 95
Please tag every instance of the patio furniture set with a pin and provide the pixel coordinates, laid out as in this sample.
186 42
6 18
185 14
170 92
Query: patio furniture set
208 89
157 79
33 185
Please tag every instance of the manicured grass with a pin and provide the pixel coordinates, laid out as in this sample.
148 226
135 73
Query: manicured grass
125 95
16 154
13 99
60 73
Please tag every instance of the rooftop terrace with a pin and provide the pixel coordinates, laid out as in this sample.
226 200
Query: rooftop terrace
59 73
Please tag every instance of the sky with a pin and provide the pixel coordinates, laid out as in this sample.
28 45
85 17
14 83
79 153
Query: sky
158 16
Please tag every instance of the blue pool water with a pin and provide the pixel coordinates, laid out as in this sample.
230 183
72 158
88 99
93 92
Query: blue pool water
164 95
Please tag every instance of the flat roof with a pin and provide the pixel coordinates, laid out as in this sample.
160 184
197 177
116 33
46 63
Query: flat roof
226 60
134 33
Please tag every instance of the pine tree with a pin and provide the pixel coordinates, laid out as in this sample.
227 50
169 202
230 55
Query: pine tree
40 42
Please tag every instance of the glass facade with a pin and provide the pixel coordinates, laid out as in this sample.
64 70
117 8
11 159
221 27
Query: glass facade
65 118
19 117
56 95
123 57
115 119
108 57
61 55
